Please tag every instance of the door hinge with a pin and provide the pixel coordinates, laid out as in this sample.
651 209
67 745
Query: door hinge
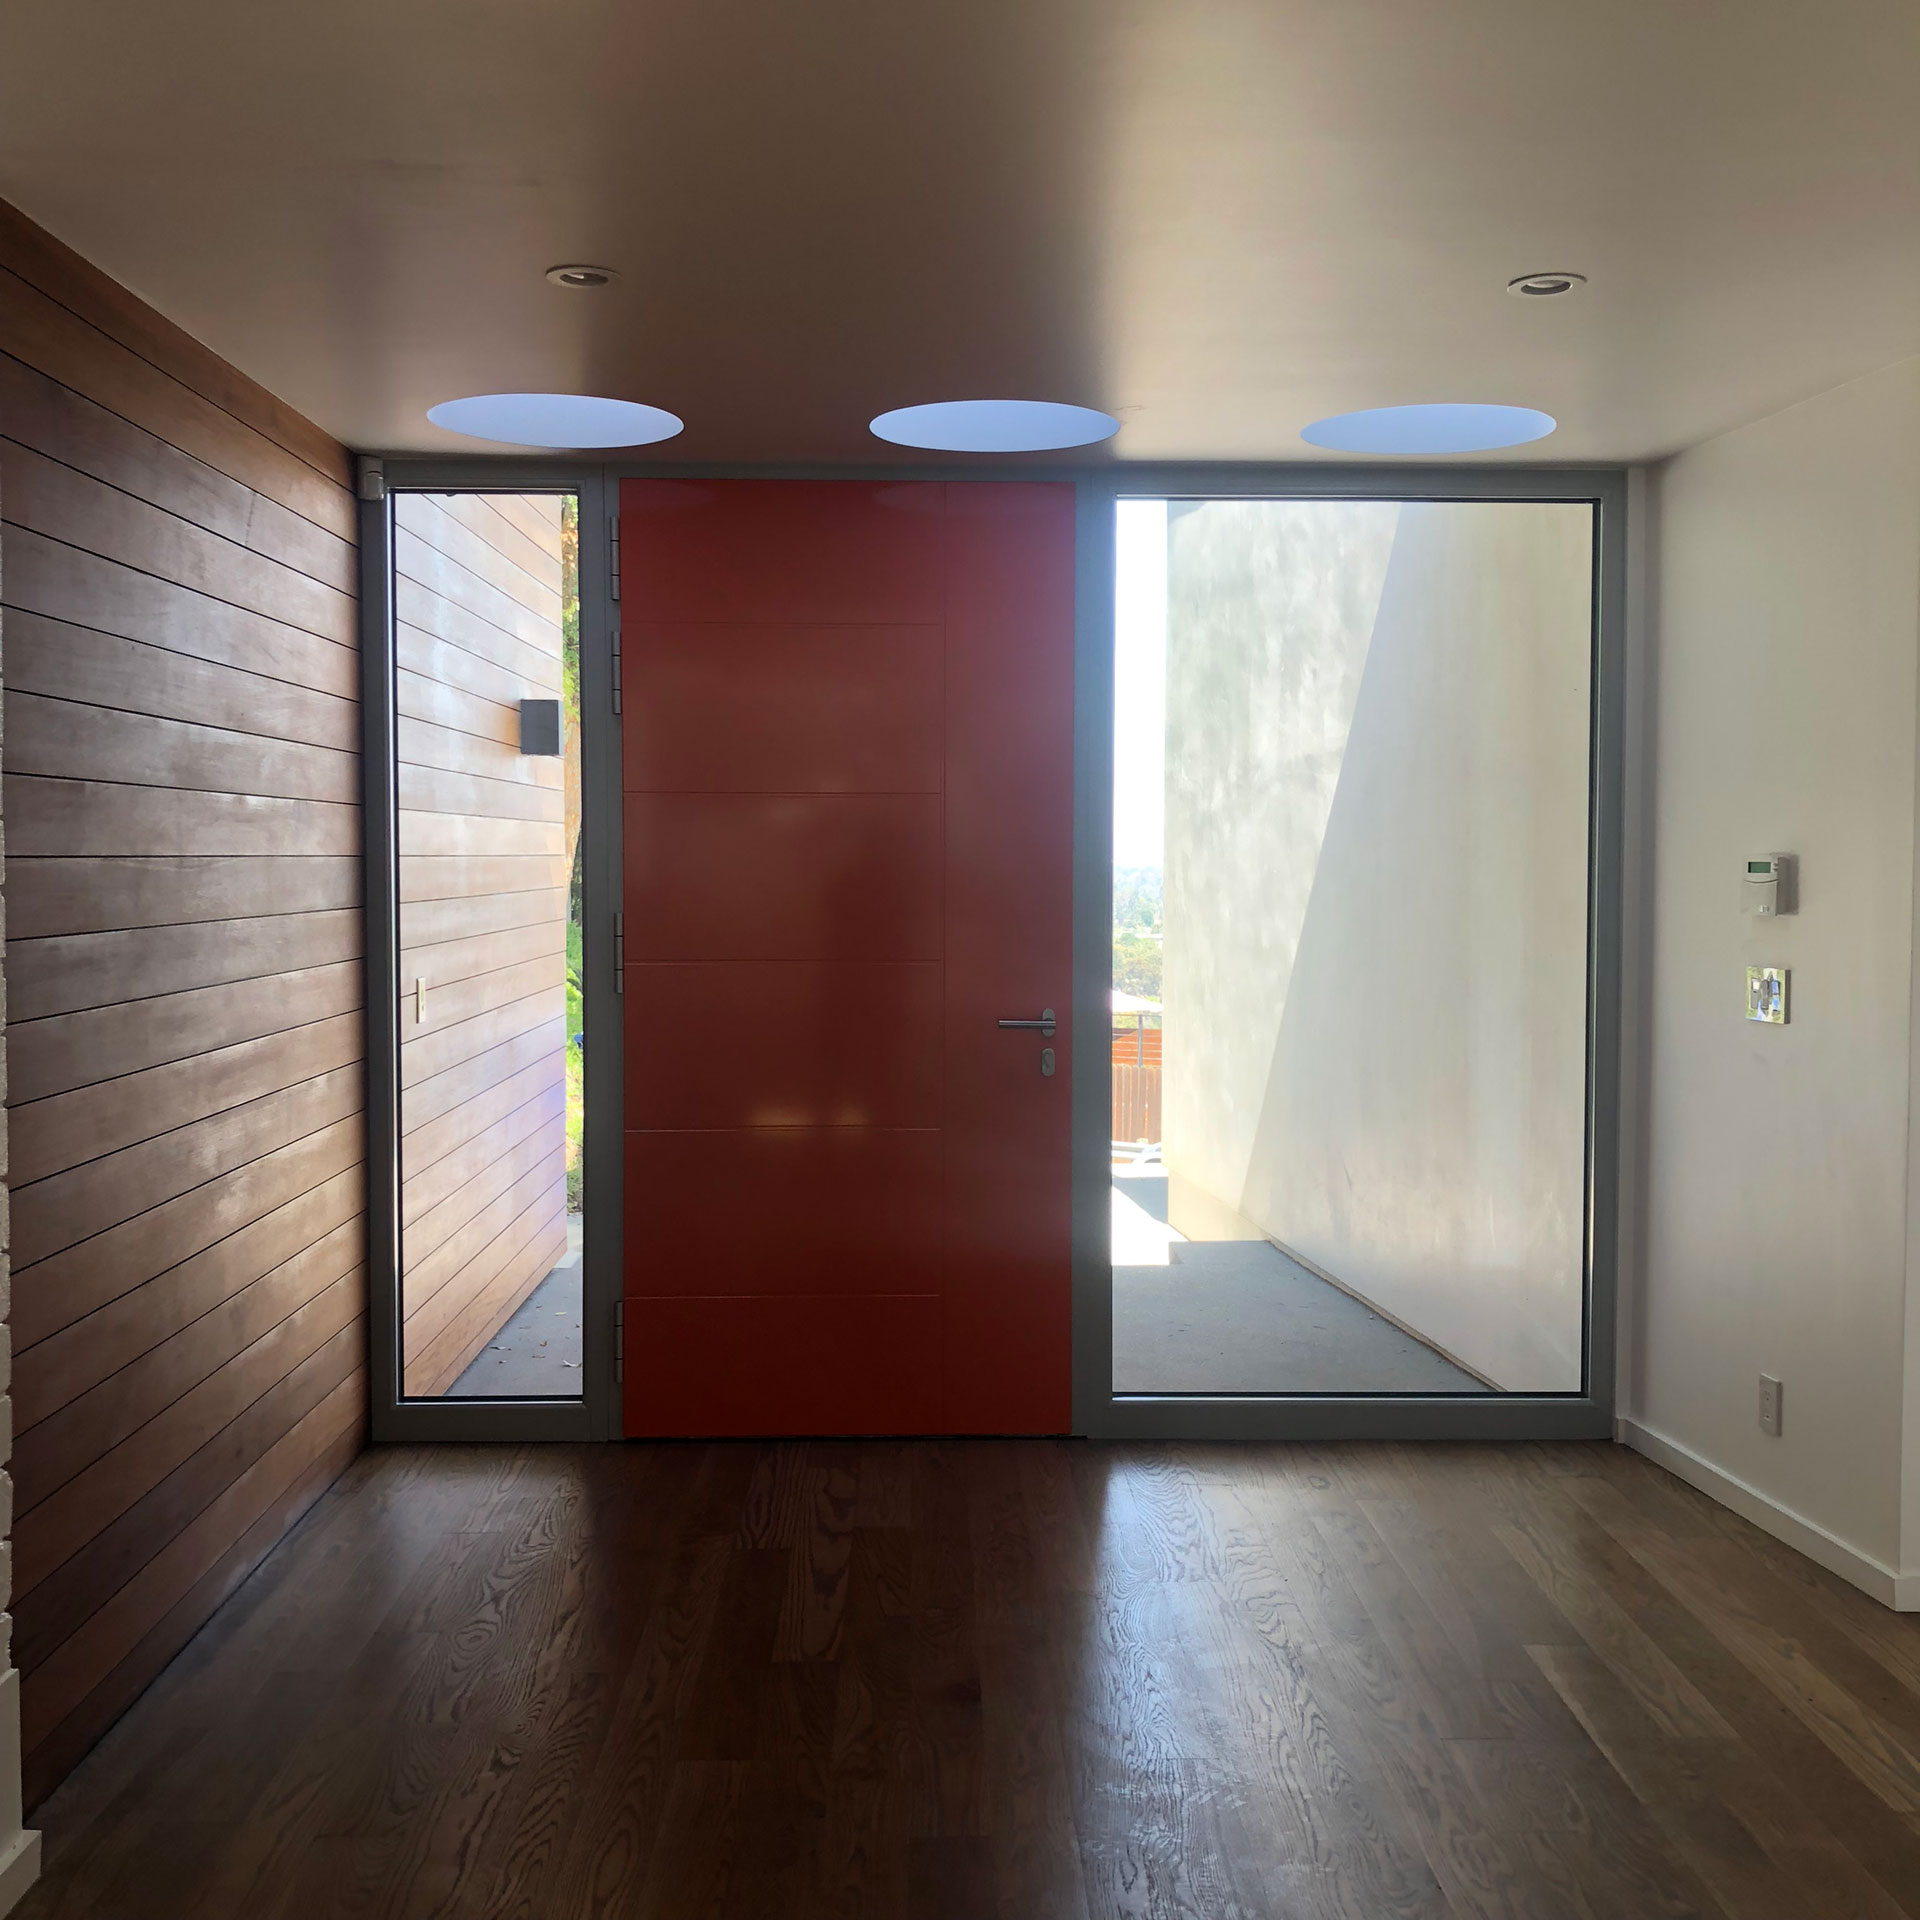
619 1343
616 663
619 953
613 544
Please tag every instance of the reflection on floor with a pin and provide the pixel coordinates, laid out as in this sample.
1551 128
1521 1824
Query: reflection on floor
537 1353
1237 1316
679 1681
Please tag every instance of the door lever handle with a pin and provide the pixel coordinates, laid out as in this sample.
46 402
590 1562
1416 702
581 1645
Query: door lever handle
1043 1025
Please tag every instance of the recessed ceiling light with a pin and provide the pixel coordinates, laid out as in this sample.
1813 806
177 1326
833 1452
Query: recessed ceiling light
1446 427
581 276
1545 286
556 420
995 426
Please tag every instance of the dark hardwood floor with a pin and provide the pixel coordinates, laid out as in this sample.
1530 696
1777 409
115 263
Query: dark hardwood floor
1014 1681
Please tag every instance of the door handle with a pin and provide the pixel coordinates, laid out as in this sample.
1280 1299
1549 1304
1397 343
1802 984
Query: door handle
1043 1025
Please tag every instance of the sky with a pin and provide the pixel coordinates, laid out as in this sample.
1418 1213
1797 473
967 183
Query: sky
1140 683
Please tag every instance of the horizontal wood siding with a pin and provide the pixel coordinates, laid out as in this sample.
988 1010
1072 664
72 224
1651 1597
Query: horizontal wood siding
184 977
483 911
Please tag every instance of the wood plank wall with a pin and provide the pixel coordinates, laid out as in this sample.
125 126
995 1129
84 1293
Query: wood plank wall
184 980
483 917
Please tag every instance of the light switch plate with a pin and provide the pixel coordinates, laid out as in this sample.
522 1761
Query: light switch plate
1767 995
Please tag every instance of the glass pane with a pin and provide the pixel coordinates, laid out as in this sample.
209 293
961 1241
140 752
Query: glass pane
487 627
1350 946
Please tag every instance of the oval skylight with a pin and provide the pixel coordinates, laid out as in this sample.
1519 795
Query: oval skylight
995 426
556 420
1437 428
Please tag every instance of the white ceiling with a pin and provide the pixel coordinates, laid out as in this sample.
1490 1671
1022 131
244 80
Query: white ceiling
1218 219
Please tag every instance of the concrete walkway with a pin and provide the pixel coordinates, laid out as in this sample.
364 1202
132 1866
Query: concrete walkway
1222 1316
536 1355
1237 1316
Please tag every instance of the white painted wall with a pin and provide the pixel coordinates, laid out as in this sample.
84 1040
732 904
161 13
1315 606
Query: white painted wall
1376 906
1777 1181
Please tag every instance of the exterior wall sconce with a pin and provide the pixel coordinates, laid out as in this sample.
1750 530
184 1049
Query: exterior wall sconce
540 727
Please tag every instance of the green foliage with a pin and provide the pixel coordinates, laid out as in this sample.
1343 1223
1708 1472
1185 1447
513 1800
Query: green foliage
1137 900
1136 965
1138 929
576 1068
576 995
576 1128
570 604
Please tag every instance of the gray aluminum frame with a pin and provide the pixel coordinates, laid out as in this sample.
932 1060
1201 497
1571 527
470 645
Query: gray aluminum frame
1097 1411
596 1414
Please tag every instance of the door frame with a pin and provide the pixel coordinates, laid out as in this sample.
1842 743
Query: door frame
1097 1411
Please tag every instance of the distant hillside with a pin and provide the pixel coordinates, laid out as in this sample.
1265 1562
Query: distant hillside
1137 930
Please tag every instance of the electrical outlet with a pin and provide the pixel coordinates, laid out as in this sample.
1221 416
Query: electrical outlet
1770 1392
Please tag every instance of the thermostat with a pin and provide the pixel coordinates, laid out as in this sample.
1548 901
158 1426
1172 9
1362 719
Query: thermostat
1769 884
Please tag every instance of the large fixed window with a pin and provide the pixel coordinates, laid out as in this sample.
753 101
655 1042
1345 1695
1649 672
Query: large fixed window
487 977
1350 992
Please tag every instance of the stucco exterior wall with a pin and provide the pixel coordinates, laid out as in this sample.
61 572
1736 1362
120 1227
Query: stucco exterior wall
1376 871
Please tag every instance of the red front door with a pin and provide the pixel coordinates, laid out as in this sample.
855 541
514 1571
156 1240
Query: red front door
848 771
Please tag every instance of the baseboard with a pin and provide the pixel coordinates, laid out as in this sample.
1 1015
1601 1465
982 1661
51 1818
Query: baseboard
1892 1588
19 1868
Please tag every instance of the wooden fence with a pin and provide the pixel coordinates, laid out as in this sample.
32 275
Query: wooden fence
1136 1103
